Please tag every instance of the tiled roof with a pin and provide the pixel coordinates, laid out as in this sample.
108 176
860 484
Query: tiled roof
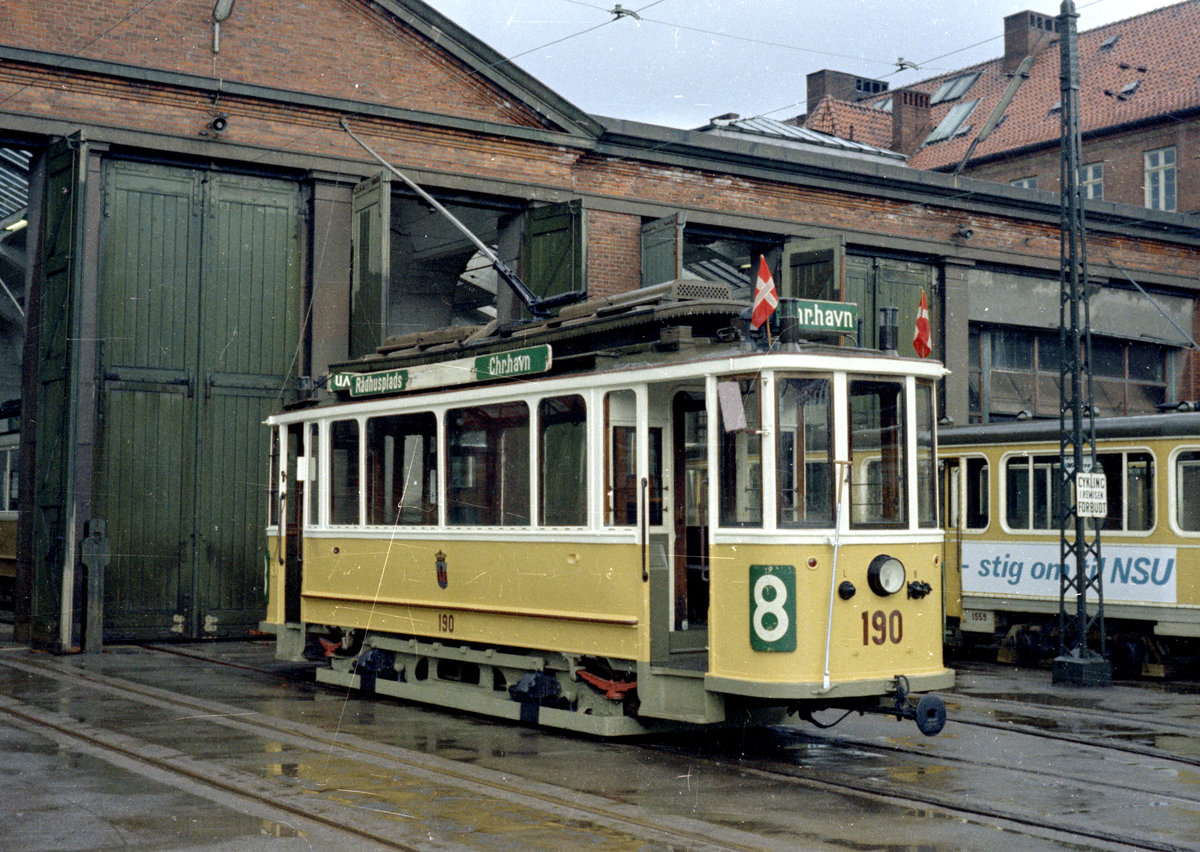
859 122
1150 70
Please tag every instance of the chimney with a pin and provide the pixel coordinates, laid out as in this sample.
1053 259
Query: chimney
911 121
1026 33
841 86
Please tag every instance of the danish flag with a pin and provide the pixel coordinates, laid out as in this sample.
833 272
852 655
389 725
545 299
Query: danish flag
921 338
765 297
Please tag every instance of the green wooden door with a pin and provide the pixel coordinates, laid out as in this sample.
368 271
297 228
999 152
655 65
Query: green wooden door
62 226
199 297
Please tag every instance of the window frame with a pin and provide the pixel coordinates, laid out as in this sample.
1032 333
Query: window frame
1159 179
860 477
1174 487
1035 461
1091 181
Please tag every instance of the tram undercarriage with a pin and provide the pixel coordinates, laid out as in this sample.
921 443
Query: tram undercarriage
571 692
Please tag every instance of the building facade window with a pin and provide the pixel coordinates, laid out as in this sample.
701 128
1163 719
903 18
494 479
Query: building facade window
1091 181
1014 375
1160 179
1025 182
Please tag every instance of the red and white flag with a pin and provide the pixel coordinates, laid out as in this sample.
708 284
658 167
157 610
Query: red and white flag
765 297
921 338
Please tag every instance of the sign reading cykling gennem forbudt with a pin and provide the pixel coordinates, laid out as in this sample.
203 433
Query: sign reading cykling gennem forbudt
500 365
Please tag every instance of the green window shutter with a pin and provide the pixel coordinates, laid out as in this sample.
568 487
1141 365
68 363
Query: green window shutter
62 245
900 284
555 258
662 250
860 289
371 274
814 269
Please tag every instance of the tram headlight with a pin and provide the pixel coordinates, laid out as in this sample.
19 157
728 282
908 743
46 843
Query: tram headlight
885 575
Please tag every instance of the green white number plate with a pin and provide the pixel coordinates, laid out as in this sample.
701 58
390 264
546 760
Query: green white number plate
773 607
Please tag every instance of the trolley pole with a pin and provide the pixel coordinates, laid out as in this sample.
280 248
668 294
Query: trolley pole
1080 490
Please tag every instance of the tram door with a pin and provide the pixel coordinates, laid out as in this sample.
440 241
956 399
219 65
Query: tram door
679 544
293 521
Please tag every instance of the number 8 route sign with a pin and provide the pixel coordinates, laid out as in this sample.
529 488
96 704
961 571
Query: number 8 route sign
773 607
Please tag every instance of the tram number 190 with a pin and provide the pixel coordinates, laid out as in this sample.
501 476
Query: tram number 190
880 627
446 623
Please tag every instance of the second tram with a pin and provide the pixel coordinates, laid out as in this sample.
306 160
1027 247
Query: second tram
1002 537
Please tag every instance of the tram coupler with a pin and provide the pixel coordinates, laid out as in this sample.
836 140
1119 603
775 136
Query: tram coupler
929 712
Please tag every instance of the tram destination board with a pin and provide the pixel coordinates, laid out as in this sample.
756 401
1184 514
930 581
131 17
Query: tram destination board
1091 495
499 365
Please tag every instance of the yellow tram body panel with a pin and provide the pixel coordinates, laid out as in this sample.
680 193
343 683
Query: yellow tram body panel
872 639
573 597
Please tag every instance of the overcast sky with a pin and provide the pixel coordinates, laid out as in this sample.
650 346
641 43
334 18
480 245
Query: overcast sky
685 61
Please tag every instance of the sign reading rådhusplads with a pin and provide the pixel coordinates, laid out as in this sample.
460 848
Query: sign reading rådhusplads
501 365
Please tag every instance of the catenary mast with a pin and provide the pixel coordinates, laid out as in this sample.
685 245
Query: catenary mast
1077 663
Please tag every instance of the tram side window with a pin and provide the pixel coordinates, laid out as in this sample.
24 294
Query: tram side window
562 425
1031 499
343 472
1129 481
273 479
402 470
741 452
977 514
804 452
926 458
312 488
877 454
621 464
1187 491
488 454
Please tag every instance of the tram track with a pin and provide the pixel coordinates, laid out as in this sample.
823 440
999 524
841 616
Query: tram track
334 809
884 791
556 804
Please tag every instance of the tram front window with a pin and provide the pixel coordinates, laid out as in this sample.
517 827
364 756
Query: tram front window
878 457
740 452
804 453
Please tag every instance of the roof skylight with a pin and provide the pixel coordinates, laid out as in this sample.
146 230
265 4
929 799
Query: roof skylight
954 88
950 124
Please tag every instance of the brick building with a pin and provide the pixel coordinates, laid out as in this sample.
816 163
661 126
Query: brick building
1139 110
205 237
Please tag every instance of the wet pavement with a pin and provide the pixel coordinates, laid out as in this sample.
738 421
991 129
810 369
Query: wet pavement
218 747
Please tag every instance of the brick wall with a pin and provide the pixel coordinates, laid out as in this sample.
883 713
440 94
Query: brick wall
339 48
614 253
306 46
1123 164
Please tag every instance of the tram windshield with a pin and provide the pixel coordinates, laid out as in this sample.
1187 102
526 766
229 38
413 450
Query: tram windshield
804 452
878 454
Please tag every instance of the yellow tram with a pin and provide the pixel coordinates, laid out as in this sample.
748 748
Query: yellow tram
627 517
1002 539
